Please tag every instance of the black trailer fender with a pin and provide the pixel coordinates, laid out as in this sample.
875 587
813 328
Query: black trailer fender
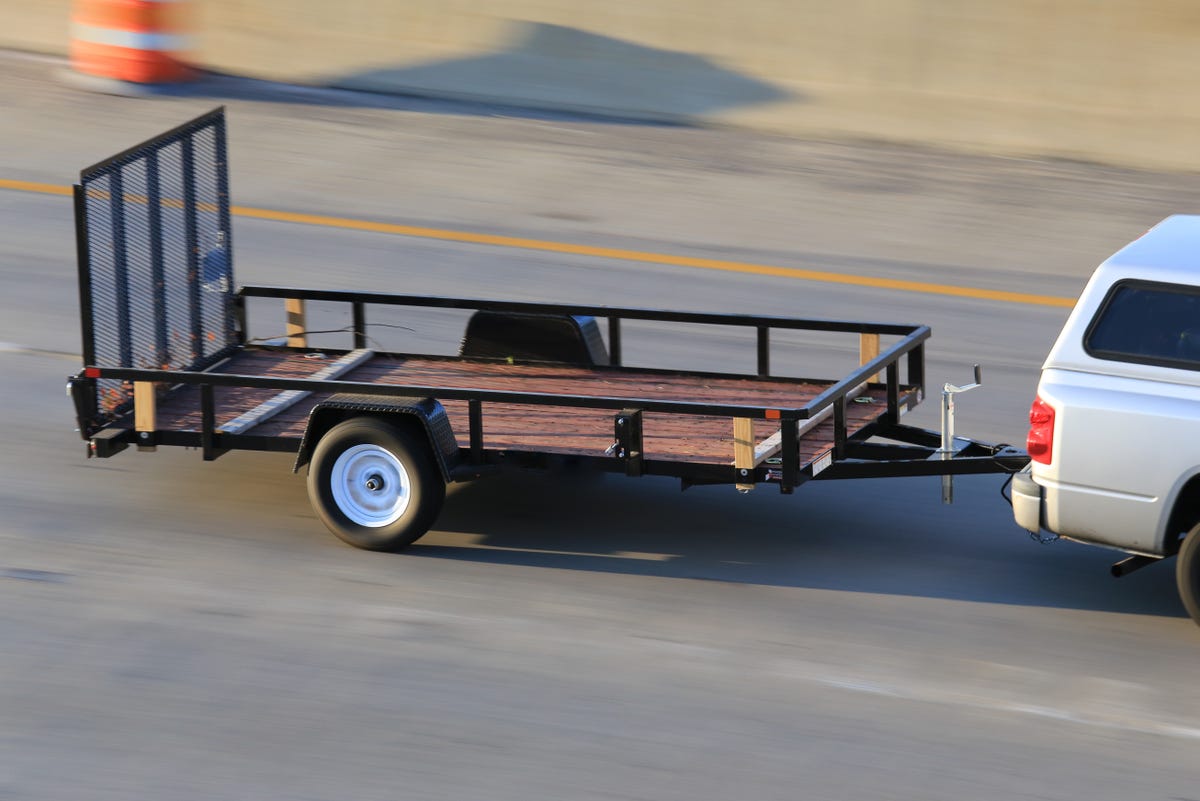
426 413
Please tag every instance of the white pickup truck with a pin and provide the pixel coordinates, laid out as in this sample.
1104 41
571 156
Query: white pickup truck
1114 437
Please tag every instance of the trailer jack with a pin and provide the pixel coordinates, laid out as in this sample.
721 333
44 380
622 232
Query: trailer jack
947 449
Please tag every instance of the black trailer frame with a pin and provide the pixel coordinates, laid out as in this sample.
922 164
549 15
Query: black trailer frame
153 227
908 450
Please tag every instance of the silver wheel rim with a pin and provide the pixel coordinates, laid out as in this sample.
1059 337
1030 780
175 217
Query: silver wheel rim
370 486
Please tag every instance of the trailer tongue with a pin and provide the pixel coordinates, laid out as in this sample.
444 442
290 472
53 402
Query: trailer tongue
168 360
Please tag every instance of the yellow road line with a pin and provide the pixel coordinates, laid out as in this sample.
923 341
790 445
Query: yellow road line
618 254
31 186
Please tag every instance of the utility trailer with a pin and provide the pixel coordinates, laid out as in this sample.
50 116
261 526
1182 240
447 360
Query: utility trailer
168 361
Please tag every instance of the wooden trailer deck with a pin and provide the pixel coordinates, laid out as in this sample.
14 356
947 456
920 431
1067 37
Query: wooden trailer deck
522 427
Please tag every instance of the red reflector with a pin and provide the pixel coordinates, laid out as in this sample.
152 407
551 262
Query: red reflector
1040 442
91 372
772 414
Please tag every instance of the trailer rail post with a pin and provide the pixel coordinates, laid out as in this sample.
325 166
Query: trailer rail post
360 325
475 430
208 425
893 393
764 351
916 369
839 428
789 430
87 322
614 341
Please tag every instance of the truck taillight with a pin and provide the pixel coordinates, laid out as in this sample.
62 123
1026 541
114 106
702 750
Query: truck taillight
1040 442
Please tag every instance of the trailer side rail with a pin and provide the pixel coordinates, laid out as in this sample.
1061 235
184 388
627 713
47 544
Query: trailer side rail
786 469
614 315
875 362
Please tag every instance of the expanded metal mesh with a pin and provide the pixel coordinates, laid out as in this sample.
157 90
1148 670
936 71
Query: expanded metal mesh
158 256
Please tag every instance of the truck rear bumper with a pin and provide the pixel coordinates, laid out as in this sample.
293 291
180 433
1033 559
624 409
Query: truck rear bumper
1027 501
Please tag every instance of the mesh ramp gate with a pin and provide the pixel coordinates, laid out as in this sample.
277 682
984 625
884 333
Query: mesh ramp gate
156 257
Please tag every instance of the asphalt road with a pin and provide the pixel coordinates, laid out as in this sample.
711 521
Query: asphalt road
183 630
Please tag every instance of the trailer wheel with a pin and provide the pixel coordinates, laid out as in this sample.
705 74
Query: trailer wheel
375 485
1187 573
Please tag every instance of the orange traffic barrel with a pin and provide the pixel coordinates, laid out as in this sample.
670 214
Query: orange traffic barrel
139 41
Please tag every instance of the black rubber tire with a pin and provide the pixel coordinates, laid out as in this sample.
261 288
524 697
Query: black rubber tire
1187 573
426 490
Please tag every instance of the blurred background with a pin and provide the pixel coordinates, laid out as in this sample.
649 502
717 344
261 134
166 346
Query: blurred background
1114 81
178 629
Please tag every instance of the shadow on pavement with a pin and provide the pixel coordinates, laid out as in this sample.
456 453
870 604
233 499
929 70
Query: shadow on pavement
889 536
881 536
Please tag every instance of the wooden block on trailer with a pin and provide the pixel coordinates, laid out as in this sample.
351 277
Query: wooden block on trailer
868 349
296 338
743 449
145 411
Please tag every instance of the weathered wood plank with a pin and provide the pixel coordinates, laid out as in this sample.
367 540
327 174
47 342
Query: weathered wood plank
269 408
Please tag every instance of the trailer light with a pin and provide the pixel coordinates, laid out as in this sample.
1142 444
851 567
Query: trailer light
772 414
1040 443
91 372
